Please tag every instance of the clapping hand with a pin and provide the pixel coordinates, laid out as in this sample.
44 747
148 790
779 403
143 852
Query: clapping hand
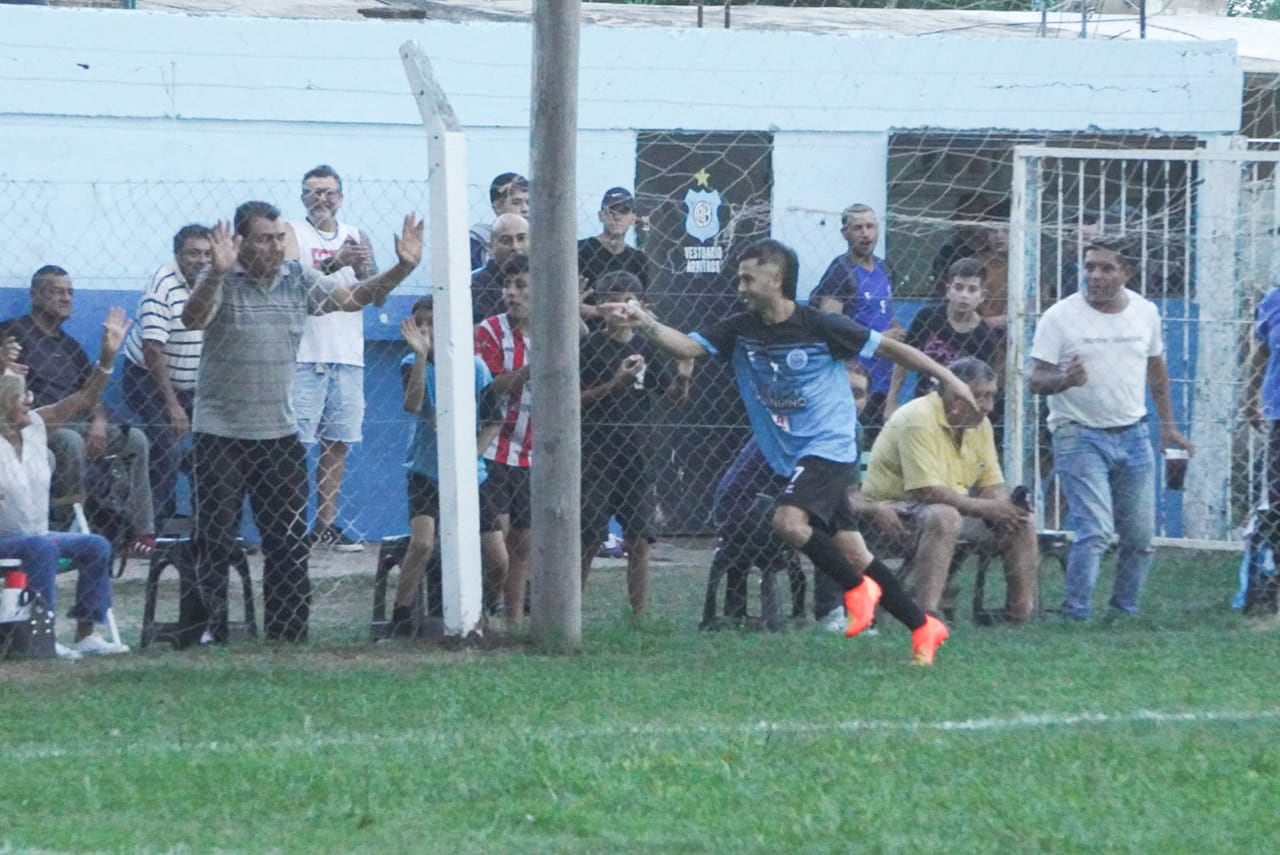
352 253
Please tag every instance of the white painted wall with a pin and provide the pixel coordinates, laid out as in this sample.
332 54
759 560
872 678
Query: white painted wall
109 96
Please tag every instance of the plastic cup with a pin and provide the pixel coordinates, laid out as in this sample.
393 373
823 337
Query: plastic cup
1175 468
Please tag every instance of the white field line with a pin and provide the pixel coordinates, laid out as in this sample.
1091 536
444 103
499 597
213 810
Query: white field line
312 742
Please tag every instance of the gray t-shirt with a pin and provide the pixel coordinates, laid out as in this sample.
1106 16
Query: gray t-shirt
250 349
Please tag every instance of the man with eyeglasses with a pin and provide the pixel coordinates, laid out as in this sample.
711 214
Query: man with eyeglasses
328 388
57 367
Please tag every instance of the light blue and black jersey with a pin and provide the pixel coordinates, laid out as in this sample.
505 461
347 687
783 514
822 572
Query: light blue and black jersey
793 381
422 457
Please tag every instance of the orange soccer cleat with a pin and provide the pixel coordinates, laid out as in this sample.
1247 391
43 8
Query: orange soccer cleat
860 605
926 640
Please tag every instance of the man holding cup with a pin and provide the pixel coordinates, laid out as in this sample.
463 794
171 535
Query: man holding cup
1095 355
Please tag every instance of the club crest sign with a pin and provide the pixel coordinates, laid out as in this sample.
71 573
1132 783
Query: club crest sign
703 220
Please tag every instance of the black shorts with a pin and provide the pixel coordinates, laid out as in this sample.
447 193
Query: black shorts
506 491
424 501
621 487
821 487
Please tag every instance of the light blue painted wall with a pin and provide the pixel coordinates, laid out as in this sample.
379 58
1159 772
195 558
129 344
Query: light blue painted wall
102 95
117 127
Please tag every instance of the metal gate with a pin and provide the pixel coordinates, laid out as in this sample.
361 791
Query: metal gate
1206 221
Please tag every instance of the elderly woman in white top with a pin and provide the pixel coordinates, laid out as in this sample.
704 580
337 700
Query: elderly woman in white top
24 494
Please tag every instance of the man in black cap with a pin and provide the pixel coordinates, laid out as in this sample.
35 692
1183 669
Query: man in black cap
608 251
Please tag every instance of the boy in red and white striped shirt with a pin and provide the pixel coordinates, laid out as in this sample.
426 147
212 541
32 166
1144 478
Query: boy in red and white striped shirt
502 342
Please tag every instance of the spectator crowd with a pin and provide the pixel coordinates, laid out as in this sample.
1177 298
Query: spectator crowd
247 346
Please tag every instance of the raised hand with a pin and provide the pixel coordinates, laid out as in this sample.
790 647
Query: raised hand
10 351
113 331
226 247
418 341
409 242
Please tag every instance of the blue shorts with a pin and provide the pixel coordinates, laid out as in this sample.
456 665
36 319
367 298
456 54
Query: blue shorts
328 399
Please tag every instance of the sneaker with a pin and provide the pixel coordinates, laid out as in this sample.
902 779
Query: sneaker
860 604
96 645
334 538
833 621
926 640
65 653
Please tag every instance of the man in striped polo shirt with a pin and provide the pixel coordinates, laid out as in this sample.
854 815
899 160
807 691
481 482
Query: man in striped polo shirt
161 360
252 305
502 342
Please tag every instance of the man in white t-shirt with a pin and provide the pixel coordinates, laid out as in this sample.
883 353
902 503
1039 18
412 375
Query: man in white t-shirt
328 389
1095 355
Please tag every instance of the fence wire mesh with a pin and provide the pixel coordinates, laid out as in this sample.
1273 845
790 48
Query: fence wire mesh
659 455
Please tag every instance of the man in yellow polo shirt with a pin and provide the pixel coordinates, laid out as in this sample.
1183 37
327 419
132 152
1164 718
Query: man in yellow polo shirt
940 471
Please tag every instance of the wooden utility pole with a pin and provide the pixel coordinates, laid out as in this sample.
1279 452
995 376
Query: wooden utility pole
553 259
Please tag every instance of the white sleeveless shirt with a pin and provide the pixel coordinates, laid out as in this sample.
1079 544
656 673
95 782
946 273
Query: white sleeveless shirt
337 336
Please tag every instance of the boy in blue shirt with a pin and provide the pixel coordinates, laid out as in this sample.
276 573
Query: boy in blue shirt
418 379
789 364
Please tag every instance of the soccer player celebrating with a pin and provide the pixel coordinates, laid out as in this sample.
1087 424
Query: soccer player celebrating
788 360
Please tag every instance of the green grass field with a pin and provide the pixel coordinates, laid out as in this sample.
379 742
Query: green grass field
1156 734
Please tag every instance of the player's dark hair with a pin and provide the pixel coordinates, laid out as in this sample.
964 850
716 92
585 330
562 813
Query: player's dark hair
1124 247
250 211
619 282
422 303
46 274
503 184
966 268
192 231
770 251
324 170
513 266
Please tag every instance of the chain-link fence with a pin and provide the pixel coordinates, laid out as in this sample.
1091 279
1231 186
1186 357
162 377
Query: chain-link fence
660 443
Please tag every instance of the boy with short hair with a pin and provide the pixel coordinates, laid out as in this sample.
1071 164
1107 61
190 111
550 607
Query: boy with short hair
620 382
417 375
502 342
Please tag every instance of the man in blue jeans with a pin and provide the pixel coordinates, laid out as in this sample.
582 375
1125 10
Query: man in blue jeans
1095 355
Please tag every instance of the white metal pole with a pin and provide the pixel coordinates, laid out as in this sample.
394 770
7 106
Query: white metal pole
453 347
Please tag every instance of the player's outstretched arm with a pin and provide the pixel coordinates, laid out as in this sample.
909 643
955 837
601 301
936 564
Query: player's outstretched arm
667 338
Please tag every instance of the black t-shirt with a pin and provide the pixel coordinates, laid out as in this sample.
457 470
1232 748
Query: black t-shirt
617 420
933 334
594 261
58 365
